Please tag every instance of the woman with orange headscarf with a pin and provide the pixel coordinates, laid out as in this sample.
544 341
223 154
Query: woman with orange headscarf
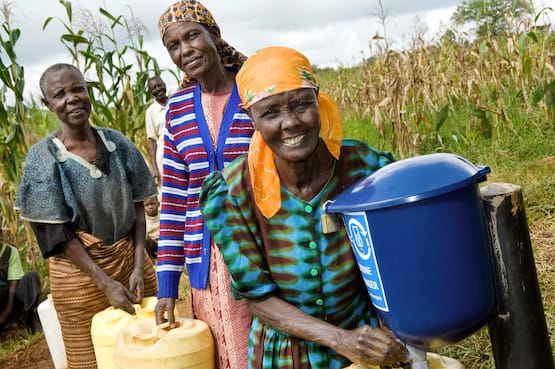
299 278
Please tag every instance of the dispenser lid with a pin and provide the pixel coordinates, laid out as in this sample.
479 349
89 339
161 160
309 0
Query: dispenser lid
407 181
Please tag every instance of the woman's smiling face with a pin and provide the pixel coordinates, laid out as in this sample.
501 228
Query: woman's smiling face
67 95
289 123
192 47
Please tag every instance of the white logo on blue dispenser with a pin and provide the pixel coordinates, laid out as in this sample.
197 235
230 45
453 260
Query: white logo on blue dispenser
361 241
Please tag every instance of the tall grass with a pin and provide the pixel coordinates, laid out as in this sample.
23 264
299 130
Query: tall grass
13 144
109 50
491 101
480 89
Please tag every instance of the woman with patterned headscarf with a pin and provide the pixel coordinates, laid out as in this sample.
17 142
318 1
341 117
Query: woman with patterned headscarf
206 128
299 277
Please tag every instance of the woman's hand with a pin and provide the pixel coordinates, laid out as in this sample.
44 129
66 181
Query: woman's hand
365 345
165 305
120 297
156 175
368 345
137 284
136 281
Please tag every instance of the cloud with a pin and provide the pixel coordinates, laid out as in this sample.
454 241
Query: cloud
328 32
248 24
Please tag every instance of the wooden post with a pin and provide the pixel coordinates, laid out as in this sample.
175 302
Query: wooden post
518 330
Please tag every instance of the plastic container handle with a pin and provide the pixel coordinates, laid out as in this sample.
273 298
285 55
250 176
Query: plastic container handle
164 326
482 173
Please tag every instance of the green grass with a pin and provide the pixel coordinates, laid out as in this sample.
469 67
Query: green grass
525 157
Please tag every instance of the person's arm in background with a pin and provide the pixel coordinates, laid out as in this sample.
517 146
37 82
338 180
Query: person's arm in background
15 273
361 345
136 281
4 315
152 146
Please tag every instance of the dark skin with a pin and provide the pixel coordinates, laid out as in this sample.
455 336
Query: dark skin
157 87
151 206
12 286
192 48
289 123
151 209
65 93
4 316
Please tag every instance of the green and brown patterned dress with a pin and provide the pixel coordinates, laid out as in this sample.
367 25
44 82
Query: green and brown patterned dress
290 257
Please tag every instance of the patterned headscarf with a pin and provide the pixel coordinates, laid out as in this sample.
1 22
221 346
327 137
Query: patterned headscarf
268 72
193 11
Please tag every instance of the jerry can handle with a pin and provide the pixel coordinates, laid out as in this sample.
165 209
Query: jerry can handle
164 327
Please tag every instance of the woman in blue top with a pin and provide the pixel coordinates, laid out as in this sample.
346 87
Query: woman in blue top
301 281
206 129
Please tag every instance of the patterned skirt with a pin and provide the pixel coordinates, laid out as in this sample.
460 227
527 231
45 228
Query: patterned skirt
77 299
229 319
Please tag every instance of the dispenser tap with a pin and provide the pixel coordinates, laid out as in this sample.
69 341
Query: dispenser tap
417 358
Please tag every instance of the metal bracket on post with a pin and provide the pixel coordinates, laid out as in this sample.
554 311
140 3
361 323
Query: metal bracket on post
518 329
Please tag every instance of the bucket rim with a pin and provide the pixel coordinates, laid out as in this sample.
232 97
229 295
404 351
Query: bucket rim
332 206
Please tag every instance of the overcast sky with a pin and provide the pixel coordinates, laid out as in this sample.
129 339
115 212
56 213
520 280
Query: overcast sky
328 32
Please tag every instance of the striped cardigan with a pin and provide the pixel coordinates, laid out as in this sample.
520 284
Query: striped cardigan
189 157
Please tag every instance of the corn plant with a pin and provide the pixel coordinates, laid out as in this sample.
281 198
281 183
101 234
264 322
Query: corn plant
413 96
117 70
13 144
12 118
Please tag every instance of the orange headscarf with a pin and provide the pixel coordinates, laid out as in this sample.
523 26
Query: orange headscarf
268 72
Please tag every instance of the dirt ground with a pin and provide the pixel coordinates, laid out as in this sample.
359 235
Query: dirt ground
35 356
